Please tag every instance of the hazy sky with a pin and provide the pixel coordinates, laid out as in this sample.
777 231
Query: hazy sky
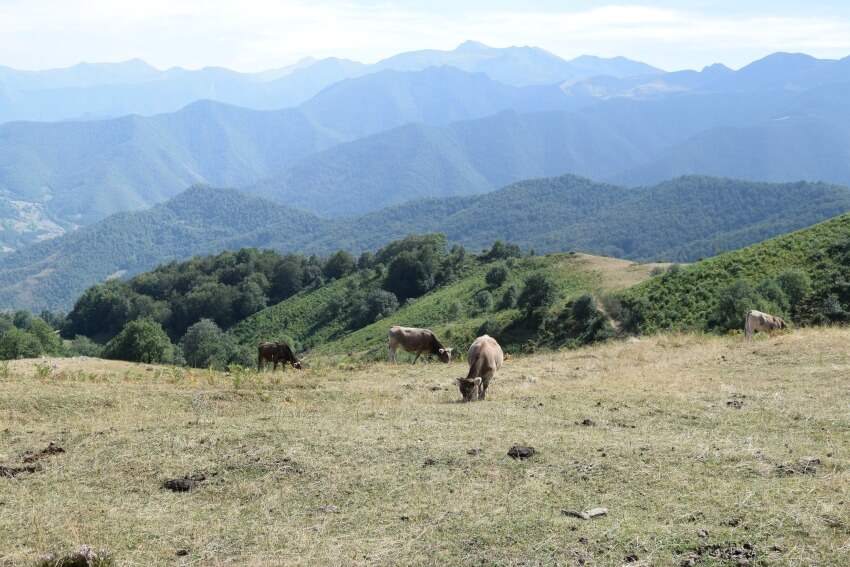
251 35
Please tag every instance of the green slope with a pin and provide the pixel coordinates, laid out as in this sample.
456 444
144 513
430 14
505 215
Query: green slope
687 298
451 311
680 220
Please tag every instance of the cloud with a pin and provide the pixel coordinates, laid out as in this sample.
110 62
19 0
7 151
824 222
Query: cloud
260 34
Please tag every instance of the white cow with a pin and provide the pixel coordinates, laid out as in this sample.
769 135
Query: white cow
758 321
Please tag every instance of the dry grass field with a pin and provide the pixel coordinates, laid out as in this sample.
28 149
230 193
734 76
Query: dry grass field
692 443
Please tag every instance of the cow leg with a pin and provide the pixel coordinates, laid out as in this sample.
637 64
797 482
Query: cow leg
418 352
391 357
259 363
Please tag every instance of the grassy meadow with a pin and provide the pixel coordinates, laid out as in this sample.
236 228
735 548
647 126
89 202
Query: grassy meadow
692 443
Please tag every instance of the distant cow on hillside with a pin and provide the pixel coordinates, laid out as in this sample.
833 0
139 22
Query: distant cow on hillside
421 341
276 352
758 321
485 356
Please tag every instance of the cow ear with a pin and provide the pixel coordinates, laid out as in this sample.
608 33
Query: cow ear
442 350
476 380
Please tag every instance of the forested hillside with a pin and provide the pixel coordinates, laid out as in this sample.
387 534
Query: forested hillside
803 276
680 220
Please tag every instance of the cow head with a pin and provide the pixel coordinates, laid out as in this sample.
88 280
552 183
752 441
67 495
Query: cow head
297 364
445 355
469 388
782 324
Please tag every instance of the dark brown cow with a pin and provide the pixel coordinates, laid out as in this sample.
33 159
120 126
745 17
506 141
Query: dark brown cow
276 352
421 341
485 357
757 321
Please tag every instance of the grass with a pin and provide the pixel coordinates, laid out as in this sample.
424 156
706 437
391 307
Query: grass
366 463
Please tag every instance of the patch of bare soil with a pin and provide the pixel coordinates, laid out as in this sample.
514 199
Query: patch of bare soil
727 552
185 484
521 452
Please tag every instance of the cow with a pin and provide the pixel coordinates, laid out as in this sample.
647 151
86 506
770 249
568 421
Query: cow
758 321
276 352
421 341
485 356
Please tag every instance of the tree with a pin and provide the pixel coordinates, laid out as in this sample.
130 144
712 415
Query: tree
584 309
205 345
17 343
538 293
46 335
142 340
102 310
732 303
509 298
500 251
249 299
339 265
365 260
497 275
378 305
796 286
408 276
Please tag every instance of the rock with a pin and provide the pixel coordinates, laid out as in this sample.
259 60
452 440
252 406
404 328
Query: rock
521 452
587 515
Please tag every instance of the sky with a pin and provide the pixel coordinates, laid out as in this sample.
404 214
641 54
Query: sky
254 35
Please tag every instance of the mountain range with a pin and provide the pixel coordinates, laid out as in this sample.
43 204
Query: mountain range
679 220
109 90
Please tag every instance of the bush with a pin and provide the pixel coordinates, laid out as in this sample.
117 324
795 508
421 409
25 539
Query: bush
484 300
84 346
497 275
455 310
142 340
489 327
509 298
500 251
538 293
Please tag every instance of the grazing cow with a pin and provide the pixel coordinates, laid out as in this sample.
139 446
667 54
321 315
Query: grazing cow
485 356
276 352
758 321
422 341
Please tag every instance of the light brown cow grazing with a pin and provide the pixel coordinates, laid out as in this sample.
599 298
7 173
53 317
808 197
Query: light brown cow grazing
421 341
758 321
485 356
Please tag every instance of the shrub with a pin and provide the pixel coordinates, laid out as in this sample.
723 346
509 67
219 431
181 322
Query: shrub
732 303
509 298
484 300
142 340
84 346
489 327
497 275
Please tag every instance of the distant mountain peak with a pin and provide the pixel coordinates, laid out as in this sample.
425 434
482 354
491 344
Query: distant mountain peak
472 45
